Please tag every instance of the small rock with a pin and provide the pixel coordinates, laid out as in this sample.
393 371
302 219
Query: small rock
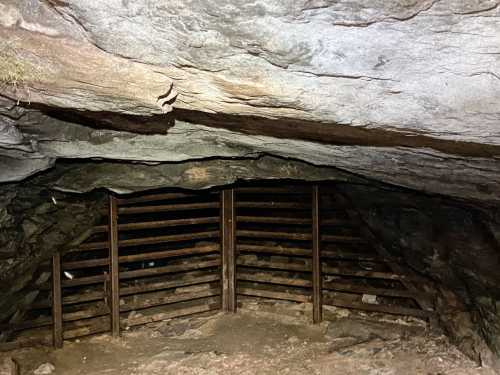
9 367
45 369
293 340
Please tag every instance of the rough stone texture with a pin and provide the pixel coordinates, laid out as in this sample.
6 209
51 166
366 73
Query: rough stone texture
36 222
43 139
127 178
454 243
421 67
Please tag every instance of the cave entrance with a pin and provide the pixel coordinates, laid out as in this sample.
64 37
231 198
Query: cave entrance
170 253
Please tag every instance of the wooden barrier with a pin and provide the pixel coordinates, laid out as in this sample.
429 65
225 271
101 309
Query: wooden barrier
168 253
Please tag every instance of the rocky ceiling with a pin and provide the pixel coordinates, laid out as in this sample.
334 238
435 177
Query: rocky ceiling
404 92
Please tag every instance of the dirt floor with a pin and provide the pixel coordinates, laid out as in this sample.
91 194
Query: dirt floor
262 338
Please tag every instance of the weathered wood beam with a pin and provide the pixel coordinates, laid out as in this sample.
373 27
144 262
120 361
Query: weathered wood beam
167 208
316 257
115 276
228 224
57 329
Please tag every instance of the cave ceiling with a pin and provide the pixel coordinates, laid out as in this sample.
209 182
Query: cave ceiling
406 93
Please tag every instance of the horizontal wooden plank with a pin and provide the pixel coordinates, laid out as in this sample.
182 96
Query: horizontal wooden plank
260 263
255 292
362 273
86 263
191 278
342 239
336 222
87 280
85 296
196 250
160 224
281 250
341 254
305 266
167 208
162 197
283 205
169 238
149 300
169 269
364 289
81 328
262 277
269 234
26 342
209 304
273 220
99 245
46 321
388 309
91 311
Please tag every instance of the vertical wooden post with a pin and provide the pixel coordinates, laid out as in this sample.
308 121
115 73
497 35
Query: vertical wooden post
316 258
228 224
57 328
115 276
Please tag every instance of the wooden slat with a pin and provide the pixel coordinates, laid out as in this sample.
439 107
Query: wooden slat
254 290
273 220
160 224
361 273
336 222
204 306
159 197
342 239
207 249
167 208
269 234
424 303
147 301
168 238
80 328
389 309
263 277
87 312
281 250
99 245
85 296
115 266
363 289
87 263
316 257
87 280
243 260
57 329
169 269
283 205
187 280
228 224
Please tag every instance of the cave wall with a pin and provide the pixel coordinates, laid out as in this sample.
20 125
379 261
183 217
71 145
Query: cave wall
455 243
36 222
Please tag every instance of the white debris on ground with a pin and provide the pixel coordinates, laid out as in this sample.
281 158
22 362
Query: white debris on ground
45 369
265 339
